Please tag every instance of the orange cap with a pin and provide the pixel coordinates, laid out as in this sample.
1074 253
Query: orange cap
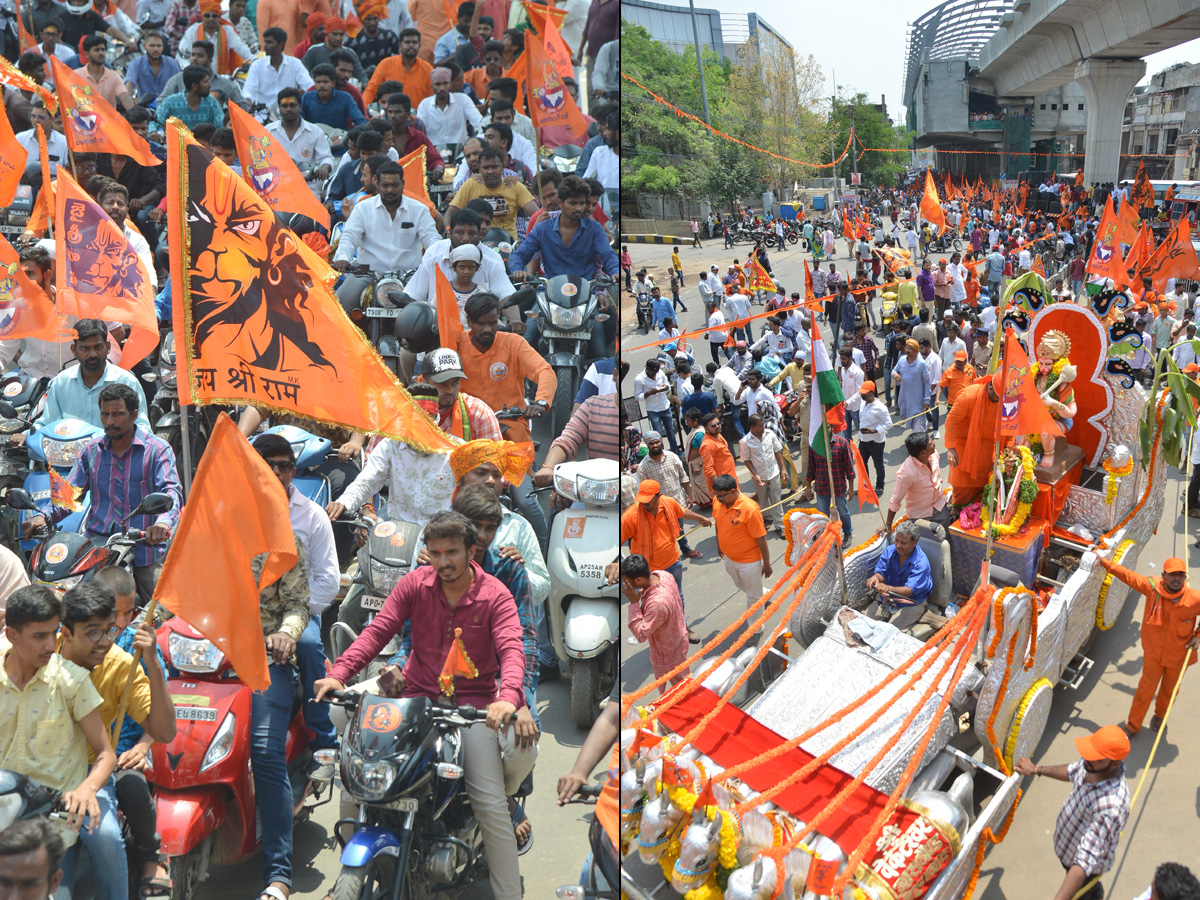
1174 564
1109 742
960 354
868 387
648 490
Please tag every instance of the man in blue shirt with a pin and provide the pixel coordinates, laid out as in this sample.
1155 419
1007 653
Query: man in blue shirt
325 106
599 379
902 579
148 75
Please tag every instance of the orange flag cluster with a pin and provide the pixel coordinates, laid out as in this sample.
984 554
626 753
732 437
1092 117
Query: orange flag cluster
269 169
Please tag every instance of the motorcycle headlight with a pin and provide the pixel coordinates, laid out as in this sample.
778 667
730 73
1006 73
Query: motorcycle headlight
222 742
384 577
370 780
191 655
297 449
382 289
63 584
561 317
168 378
598 491
10 426
63 454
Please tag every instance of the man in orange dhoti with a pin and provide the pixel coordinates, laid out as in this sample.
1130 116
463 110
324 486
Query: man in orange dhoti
971 440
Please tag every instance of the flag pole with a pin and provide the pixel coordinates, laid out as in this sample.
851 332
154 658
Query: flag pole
185 446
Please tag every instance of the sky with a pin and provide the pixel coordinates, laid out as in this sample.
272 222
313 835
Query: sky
864 44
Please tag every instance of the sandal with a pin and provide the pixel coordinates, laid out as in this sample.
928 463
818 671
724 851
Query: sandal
519 818
157 885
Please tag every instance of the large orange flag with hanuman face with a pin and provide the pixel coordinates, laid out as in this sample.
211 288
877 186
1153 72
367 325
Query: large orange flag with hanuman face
255 318
237 510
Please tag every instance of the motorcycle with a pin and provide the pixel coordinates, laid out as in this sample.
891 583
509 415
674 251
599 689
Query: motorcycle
564 158
66 558
600 877
645 312
583 607
23 798
202 780
567 306
27 395
402 762
310 452
382 299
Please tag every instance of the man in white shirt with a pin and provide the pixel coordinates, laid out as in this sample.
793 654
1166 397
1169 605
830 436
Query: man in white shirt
754 394
447 115
1185 354
303 141
762 453
1025 260
775 343
605 164
56 143
874 420
951 344
739 308
210 28
653 388
933 363
314 534
275 70
716 333
958 276
851 377
387 233
714 282
912 240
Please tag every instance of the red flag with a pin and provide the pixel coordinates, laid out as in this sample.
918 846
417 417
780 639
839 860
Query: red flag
1174 258
14 77
931 208
457 663
550 103
236 511
90 122
97 272
25 310
866 493
449 320
12 162
63 494
1022 410
270 171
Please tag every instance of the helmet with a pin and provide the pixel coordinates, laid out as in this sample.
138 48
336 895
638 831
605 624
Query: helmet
416 326
77 7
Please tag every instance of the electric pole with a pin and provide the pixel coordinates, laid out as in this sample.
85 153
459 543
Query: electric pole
699 63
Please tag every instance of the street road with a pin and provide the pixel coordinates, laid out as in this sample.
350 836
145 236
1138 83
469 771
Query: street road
1165 822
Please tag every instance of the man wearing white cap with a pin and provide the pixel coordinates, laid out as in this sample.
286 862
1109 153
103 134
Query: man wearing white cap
459 414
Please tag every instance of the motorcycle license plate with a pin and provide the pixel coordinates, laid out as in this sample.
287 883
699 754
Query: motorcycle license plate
404 804
374 604
195 714
568 335
381 312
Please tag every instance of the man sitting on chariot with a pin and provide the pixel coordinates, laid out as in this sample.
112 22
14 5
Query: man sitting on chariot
903 579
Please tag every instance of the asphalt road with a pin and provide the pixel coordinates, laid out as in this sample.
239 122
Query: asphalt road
1165 821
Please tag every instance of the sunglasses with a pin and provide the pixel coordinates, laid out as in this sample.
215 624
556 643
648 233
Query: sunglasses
281 465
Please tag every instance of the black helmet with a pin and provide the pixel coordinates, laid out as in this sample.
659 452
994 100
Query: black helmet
416 326
500 241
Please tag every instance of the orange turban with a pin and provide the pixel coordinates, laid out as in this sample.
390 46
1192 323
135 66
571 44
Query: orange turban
334 23
314 21
512 459
372 8
210 6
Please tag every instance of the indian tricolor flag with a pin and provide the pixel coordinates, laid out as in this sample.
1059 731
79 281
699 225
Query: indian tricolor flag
826 392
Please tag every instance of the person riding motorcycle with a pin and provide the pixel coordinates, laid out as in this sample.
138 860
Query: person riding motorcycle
435 600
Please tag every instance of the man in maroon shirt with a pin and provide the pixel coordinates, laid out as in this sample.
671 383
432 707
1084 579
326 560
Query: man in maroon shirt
451 594
408 138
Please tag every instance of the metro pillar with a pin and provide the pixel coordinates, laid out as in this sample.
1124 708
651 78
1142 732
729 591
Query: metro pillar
1106 84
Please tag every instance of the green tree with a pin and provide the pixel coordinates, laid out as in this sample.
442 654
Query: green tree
871 129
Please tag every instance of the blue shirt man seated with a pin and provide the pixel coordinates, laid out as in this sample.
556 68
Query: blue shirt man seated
903 579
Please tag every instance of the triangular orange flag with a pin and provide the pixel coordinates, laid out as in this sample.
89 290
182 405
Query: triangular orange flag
931 208
537 16
270 171
237 510
449 320
457 663
1139 254
1105 247
557 49
25 40
1128 224
866 493
1174 258
644 737
1037 265
97 271
675 775
25 310
549 101
416 185
90 122
518 72
255 319
12 162
14 77
707 796
63 494
809 290
1022 410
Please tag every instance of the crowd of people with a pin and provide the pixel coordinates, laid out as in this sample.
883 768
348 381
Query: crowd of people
346 89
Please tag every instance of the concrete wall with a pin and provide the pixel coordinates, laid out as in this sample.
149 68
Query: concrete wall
1062 113
672 25
941 97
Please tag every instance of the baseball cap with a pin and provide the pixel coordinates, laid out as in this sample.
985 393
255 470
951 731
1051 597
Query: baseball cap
960 354
1174 564
1109 742
1191 368
441 365
868 387
648 490
671 346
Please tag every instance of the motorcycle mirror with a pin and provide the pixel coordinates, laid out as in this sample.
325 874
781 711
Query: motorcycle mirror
7 410
602 317
17 498
150 377
152 505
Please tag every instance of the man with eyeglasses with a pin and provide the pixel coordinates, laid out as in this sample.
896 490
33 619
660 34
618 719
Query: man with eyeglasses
89 629
303 141
119 470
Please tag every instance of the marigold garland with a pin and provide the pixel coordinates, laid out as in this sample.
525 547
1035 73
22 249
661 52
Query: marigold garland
1111 482
1027 485
1118 555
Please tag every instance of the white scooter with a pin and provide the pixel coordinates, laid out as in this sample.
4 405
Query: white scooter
584 609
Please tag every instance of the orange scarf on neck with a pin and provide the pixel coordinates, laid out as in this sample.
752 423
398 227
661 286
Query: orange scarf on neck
1154 612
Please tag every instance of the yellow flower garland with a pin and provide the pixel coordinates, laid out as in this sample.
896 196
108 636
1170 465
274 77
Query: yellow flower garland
727 844
1111 483
1023 508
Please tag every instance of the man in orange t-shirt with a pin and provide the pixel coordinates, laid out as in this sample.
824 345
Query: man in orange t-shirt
741 538
497 363
407 68
714 451
957 377
651 526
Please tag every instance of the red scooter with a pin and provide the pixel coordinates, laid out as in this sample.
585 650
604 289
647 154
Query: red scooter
202 779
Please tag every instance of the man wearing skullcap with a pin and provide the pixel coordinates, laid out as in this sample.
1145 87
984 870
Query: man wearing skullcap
970 439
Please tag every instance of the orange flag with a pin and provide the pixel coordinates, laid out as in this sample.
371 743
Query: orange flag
549 101
1142 194
90 122
931 209
12 162
1037 265
97 271
14 77
848 227
25 310
236 511
255 318
995 204
270 171
457 663
1106 247
809 291
518 72
1021 408
1128 224
1024 194
63 494
557 49
449 322
25 40
759 280
1139 254
1174 258
866 493
537 16
415 183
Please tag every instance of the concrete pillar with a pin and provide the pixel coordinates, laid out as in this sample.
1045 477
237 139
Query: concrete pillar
1107 84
